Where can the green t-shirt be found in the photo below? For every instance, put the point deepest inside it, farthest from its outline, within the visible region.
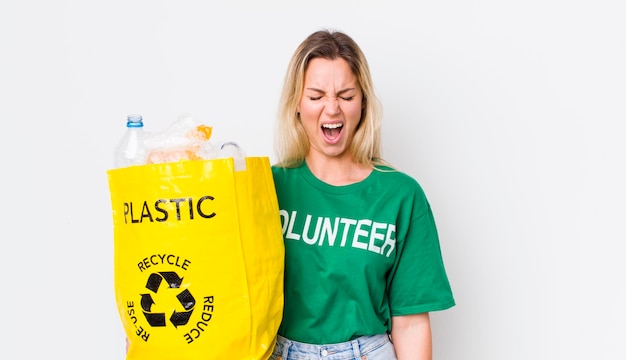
(355, 255)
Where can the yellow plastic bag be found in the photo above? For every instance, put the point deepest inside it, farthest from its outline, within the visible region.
(198, 259)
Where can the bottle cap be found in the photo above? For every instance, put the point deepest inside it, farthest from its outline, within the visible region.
(134, 120)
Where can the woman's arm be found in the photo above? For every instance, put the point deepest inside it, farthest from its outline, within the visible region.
(411, 337)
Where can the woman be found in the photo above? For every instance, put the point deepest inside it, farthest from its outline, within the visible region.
(363, 265)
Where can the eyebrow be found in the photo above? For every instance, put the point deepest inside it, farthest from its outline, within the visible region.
(342, 91)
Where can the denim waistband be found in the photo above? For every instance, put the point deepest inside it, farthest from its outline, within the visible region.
(293, 350)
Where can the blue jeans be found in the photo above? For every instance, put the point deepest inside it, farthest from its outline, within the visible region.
(376, 347)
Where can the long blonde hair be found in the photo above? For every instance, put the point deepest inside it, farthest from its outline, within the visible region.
(291, 142)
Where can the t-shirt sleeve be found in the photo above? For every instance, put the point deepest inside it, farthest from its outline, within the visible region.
(419, 282)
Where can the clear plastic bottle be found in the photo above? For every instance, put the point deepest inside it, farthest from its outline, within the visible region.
(131, 148)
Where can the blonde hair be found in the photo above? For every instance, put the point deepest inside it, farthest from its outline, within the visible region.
(292, 143)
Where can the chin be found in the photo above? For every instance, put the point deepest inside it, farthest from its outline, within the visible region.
(336, 154)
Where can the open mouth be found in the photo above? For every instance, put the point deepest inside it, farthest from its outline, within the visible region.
(332, 131)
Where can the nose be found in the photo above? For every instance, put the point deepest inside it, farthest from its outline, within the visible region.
(332, 106)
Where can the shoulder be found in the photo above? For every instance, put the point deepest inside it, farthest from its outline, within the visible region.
(279, 170)
(282, 173)
(397, 178)
(402, 186)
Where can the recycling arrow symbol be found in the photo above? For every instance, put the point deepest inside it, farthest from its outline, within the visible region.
(186, 300)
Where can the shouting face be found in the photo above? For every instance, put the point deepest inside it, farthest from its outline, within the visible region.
(331, 107)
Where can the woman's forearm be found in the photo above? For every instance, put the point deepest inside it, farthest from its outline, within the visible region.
(412, 337)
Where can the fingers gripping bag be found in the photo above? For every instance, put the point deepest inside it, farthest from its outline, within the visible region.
(198, 258)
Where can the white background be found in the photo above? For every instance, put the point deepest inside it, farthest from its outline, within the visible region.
(509, 113)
